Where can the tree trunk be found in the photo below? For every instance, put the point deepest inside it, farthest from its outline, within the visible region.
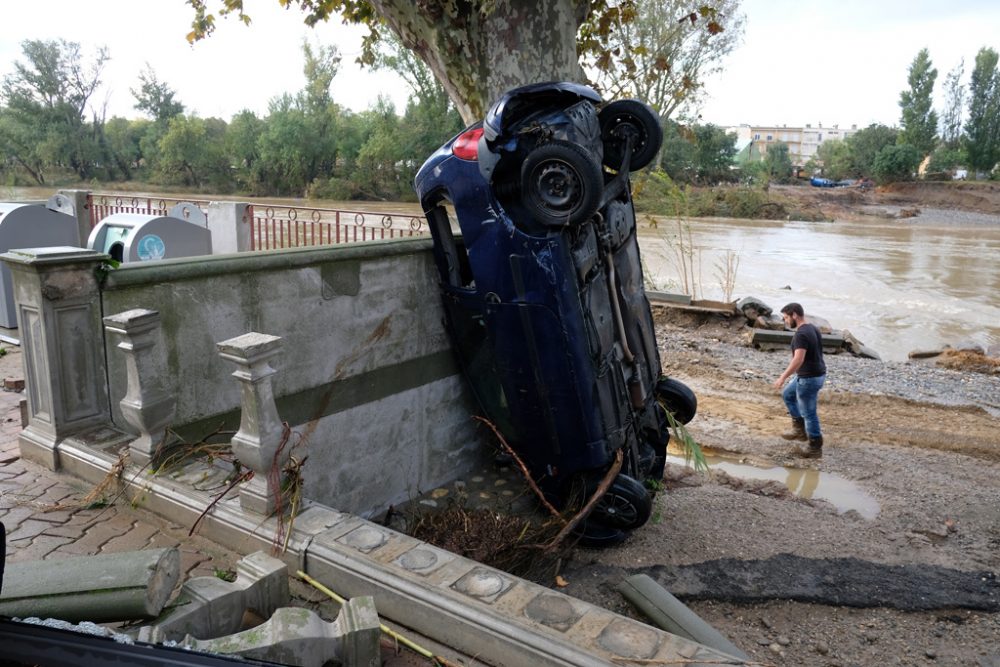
(477, 55)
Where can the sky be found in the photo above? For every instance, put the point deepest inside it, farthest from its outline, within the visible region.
(841, 63)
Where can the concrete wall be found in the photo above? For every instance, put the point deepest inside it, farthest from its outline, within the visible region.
(366, 376)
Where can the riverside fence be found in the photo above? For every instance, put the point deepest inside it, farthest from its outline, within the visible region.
(273, 227)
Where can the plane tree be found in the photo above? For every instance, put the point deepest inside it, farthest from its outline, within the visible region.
(475, 48)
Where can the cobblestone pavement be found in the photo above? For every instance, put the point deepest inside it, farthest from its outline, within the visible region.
(46, 519)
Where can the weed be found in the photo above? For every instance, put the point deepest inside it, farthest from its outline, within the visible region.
(654, 484)
(224, 574)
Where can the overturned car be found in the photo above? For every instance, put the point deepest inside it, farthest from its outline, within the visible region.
(543, 292)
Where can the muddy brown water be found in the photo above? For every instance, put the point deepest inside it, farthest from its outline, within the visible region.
(807, 483)
(896, 286)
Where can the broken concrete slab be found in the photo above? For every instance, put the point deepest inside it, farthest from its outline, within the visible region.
(103, 588)
(209, 607)
(295, 636)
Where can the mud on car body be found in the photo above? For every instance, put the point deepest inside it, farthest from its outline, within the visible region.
(543, 292)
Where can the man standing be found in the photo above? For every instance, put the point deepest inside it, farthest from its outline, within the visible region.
(809, 369)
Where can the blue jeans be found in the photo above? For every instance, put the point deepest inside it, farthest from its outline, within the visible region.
(800, 398)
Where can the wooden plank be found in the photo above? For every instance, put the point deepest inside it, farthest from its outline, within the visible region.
(770, 336)
(658, 297)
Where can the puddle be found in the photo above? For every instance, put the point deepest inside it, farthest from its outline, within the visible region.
(840, 492)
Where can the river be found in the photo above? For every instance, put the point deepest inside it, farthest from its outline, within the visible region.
(897, 286)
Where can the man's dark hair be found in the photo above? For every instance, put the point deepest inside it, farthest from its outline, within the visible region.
(793, 309)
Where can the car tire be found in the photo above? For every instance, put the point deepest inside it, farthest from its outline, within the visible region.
(561, 183)
(596, 536)
(634, 117)
(626, 506)
(678, 398)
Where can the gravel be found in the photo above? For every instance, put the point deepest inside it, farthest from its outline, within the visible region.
(920, 381)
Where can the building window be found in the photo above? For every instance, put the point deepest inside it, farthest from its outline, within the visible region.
(756, 137)
(770, 138)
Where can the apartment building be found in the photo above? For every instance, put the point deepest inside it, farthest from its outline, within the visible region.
(752, 141)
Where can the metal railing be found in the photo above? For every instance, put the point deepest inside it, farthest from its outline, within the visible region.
(297, 227)
(101, 205)
(275, 227)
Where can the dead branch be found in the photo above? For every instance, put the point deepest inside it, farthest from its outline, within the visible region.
(602, 488)
(524, 469)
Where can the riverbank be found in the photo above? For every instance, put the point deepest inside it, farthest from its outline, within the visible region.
(799, 581)
(914, 202)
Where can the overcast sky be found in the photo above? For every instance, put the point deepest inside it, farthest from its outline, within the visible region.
(841, 62)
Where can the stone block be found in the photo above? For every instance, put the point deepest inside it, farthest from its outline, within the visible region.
(295, 636)
(109, 587)
(209, 607)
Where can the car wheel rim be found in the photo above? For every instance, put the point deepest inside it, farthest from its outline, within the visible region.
(619, 508)
(558, 186)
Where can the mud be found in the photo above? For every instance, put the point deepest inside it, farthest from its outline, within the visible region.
(793, 581)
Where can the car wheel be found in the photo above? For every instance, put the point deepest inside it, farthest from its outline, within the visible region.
(678, 398)
(626, 505)
(561, 183)
(596, 536)
(624, 117)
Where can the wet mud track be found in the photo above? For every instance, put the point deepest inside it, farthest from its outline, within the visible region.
(849, 582)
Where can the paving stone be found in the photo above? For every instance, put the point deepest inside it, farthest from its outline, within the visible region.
(190, 560)
(37, 549)
(99, 534)
(136, 539)
(14, 515)
(26, 530)
(54, 516)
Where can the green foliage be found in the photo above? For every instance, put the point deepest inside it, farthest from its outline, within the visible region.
(777, 163)
(155, 98)
(951, 117)
(660, 195)
(192, 153)
(865, 144)
(837, 160)
(700, 154)
(982, 129)
(895, 163)
(692, 450)
(47, 99)
(946, 159)
(918, 119)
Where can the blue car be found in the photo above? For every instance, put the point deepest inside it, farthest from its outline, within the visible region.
(543, 292)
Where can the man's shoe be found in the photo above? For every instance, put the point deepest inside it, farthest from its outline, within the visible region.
(814, 450)
(798, 431)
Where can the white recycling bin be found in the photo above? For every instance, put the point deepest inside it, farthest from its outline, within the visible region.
(32, 226)
(136, 237)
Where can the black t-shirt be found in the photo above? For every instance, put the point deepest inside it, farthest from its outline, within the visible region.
(807, 337)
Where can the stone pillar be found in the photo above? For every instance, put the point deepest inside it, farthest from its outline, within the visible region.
(258, 444)
(81, 211)
(62, 346)
(229, 223)
(147, 406)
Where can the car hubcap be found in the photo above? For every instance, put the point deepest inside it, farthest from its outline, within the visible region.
(558, 186)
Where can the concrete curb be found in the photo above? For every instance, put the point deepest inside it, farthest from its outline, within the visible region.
(501, 619)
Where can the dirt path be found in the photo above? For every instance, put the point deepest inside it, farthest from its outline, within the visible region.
(796, 581)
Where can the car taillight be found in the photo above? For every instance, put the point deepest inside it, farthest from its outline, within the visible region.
(466, 146)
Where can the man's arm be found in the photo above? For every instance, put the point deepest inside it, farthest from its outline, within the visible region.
(798, 357)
